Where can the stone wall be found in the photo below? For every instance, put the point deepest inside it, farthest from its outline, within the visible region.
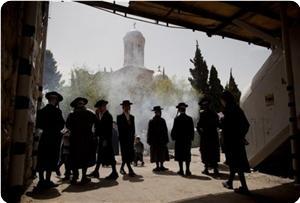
(23, 34)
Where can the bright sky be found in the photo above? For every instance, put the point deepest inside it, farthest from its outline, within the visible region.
(82, 35)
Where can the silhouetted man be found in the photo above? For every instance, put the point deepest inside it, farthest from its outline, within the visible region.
(209, 137)
(183, 134)
(104, 130)
(51, 122)
(157, 138)
(235, 127)
(82, 147)
(126, 129)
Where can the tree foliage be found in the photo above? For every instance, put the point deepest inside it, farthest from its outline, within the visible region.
(83, 84)
(161, 88)
(211, 87)
(199, 73)
(233, 88)
(215, 89)
(51, 77)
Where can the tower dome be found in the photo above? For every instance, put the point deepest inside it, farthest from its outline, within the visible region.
(134, 43)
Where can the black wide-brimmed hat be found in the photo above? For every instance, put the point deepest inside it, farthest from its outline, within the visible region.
(126, 102)
(50, 94)
(204, 101)
(101, 102)
(182, 105)
(157, 108)
(75, 101)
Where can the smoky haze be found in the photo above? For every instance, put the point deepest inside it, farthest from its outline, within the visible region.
(145, 91)
(79, 34)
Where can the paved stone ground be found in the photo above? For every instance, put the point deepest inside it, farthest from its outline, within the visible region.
(169, 187)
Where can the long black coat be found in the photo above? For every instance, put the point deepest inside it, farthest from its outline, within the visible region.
(50, 120)
(103, 129)
(235, 126)
(209, 138)
(82, 142)
(183, 134)
(157, 138)
(126, 130)
(115, 141)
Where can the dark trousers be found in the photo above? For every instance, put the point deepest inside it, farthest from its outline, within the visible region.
(241, 176)
(138, 157)
(66, 161)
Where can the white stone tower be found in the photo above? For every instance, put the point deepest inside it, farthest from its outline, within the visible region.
(134, 43)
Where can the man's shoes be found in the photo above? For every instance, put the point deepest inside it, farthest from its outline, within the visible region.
(132, 174)
(94, 174)
(44, 184)
(85, 180)
(122, 171)
(216, 172)
(112, 176)
(188, 173)
(227, 185)
(162, 168)
(73, 181)
(156, 169)
(180, 173)
(206, 172)
(51, 184)
(41, 184)
(242, 190)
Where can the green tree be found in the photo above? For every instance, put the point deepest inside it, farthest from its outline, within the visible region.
(52, 77)
(199, 73)
(83, 84)
(162, 87)
(215, 89)
(233, 88)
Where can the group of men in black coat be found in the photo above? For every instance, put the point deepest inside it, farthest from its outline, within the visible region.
(83, 143)
(234, 126)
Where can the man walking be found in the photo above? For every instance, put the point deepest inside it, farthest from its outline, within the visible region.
(103, 131)
(126, 129)
(209, 137)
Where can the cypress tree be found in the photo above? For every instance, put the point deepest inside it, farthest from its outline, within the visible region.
(215, 89)
(233, 88)
(199, 73)
(51, 77)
